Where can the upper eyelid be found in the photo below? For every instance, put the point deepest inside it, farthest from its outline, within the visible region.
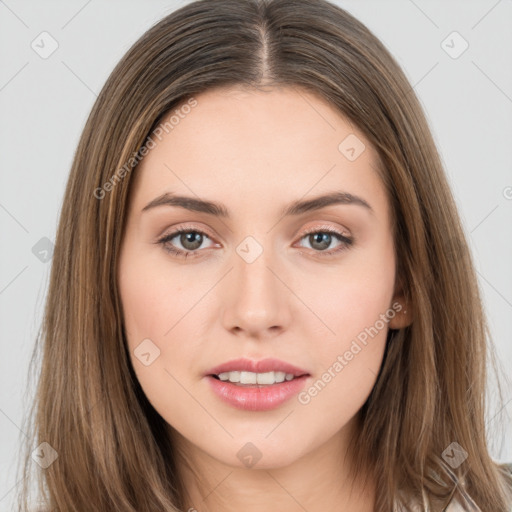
(312, 229)
(338, 232)
(176, 231)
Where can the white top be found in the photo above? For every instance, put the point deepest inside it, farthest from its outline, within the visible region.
(454, 506)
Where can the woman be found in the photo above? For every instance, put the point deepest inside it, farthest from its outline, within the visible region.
(261, 294)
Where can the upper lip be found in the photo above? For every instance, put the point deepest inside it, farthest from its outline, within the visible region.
(262, 366)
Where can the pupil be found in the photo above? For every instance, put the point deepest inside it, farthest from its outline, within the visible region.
(323, 237)
(188, 238)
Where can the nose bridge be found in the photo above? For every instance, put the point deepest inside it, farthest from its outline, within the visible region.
(257, 299)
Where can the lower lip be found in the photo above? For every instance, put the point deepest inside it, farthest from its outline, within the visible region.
(254, 398)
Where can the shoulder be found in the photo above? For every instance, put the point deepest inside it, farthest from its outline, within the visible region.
(415, 506)
(455, 505)
(507, 468)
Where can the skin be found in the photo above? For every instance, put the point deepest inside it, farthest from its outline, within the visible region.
(256, 152)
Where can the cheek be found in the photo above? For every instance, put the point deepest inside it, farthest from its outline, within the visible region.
(154, 306)
(352, 297)
(161, 336)
(348, 362)
(355, 308)
(154, 300)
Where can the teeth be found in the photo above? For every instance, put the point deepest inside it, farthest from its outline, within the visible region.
(255, 378)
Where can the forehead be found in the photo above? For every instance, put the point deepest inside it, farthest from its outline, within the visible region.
(244, 145)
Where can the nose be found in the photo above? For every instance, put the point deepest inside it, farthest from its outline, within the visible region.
(256, 300)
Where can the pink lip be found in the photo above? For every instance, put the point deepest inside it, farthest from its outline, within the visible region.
(257, 397)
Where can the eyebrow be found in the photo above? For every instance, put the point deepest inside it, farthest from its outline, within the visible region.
(295, 208)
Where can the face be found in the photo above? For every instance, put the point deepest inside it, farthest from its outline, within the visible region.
(309, 286)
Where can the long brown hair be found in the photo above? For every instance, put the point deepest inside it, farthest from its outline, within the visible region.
(112, 446)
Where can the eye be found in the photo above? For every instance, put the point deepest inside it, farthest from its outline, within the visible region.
(321, 238)
(190, 240)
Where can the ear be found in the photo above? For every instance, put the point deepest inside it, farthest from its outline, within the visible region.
(403, 309)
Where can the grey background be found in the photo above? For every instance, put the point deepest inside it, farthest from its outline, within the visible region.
(44, 103)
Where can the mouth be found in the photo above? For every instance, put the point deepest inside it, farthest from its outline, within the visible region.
(256, 385)
(252, 379)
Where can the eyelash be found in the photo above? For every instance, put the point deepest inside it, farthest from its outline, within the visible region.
(346, 241)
